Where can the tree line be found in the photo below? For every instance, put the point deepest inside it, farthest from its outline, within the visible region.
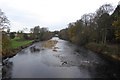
(40, 34)
(36, 33)
(99, 27)
(103, 26)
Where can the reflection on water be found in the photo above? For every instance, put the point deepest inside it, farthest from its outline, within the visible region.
(68, 61)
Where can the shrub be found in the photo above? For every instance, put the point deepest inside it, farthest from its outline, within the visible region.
(6, 44)
(12, 35)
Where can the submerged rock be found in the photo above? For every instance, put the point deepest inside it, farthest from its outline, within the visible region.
(77, 50)
(54, 50)
(64, 63)
(34, 49)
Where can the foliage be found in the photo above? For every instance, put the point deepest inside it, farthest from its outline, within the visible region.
(4, 22)
(12, 35)
(116, 24)
(104, 22)
(25, 36)
(47, 35)
(6, 44)
(111, 50)
(103, 27)
(96, 28)
(40, 34)
(20, 34)
(92, 27)
(63, 34)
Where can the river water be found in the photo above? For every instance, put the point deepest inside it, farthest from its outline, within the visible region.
(67, 61)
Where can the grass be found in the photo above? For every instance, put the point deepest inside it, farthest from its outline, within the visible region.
(110, 50)
(17, 42)
(95, 47)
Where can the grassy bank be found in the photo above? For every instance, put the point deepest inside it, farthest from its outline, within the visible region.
(112, 51)
(17, 45)
(17, 42)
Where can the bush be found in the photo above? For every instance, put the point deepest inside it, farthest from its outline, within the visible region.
(12, 35)
(25, 36)
(6, 44)
(46, 36)
(98, 48)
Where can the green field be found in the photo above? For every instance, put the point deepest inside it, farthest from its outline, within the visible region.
(17, 42)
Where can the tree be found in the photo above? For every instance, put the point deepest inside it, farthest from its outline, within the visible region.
(20, 34)
(92, 27)
(71, 31)
(36, 31)
(103, 22)
(47, 35)
(116, 24)
(106, 8)
(78, 33)
(63, 34)
(42, 33)
(103, 26)
(6, 44)
(4, 22)
(25, 36)
(12, 35)
(8, 30)
(87, 19)
(31, 30)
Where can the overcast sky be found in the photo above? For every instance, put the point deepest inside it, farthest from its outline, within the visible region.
(54, 14)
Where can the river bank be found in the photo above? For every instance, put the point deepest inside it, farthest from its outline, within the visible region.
(17, 48)
(12, 52)
(109, 52)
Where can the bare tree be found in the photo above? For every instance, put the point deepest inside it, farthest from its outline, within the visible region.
(102, 22)
(4, 22)
(85, 19)
(88, 19)
(106, 8)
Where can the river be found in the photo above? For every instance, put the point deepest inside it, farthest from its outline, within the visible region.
(67, 61)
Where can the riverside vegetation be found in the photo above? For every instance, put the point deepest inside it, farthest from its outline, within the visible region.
(12, 44)
(99, 32)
